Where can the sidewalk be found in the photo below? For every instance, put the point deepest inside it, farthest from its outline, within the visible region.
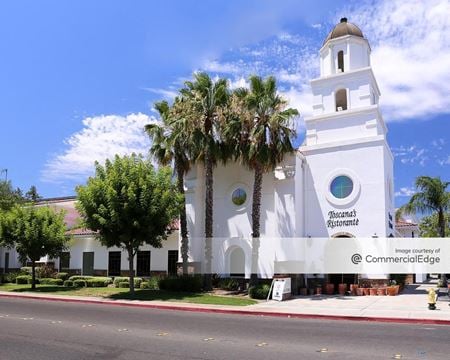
(409, 307)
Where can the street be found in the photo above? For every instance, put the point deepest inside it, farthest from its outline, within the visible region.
(34, 329)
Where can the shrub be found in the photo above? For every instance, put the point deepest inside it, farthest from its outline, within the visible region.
(51, 281)
(151, 284)
(62, 275)
(96, 282)
(259, 291)
(181, 283)
(22, 279)
(45, 271)
(80, 277)
(79, 283)
(229, 284)
(11, 277)
(26, 270)
(124, 284)
(30, 281)
(68, 283)
(119, 279)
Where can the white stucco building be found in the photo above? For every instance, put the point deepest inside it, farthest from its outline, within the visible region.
(339, 183)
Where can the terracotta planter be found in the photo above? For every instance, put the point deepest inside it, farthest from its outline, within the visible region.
(303, 291)
(359, 291)
(353, 288)
(329, 289)
(366, 291)
(318, 291)
(381, 291)
(342, 289)
(372, 291)
(397, 289)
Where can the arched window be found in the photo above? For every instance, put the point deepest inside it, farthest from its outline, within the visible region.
(341, 100)
(340, 58)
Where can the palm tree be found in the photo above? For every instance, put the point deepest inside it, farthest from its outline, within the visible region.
(170, 145)
(206, 100)
(431, 197)
(262, 135)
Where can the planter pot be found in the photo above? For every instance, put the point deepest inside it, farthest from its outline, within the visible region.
(381, 291)
(359, 291)
(373, 291)
(353, 288)
(318, 291)
(397, 289)
(329, 289)
(391, 291)
(366, 291)
(303, 291)
(342, 289)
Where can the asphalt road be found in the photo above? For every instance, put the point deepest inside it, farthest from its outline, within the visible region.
(35, 329)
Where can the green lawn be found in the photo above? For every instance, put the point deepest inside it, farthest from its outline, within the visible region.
(149, 295)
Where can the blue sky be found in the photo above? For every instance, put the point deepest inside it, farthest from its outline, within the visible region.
(78, 79)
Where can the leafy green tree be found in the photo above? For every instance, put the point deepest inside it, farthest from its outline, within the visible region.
(32, 194)
(202, 103)
(429, 225)
(431, 197)
(8, 196)
(129, 204)
(261, 135)
(171, 145)
(34, 231)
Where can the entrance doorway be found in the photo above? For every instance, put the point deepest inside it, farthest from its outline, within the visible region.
(337, 279)
(88, 263)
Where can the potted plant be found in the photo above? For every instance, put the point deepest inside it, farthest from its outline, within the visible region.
(329, 288)
(366, 290)
(342, 288)
(318, 290)
(381, 291)
(373, 291)
(353, 289)
(359, 291)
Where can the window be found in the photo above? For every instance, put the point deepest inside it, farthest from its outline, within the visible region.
(340, 58)
(239, 197)
(341, 100)
(172, 260)
(341, 187)
(143, 263)
(114, 263)
(64, 261)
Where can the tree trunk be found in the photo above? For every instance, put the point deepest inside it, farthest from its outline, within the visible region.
(183, 221)
(256, 220)
(208, 218)
(33, 274)
(441, 226)
(131, 270)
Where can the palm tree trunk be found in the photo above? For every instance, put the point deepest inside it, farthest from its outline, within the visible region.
(183, 220)
(441, 226)
(131, 269)
(256, 221)
(208, 218)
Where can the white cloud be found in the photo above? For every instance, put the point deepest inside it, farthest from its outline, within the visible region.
(411, 155)
(444, 161)
(168, 94)
(405, 192)
(101, 138)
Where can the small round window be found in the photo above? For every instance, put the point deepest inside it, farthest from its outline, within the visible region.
(341, 187)
(238, 197)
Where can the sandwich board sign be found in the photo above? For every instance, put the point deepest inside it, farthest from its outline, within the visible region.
(281, 289)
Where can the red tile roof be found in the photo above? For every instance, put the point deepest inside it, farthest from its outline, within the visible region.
(403, 223)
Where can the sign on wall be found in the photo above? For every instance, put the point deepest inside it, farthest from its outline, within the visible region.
(342, 218)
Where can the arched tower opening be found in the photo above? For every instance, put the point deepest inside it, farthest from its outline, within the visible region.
(341, 100)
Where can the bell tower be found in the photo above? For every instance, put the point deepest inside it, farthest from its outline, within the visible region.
(348, 160)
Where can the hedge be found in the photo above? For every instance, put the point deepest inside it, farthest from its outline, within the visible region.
(96, 282)
(22, 279)
(80, 277)
(119, 279)
(229, 284)
(123, 284)
(62, 275)
(151, 284)
(51, 281)
(68, 283)
(79, 283)
(181, 283)
(260, 291)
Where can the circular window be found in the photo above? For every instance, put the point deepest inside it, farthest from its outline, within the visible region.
(238, 196)
(341, 187)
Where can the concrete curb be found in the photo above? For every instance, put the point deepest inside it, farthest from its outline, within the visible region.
(238, 312)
